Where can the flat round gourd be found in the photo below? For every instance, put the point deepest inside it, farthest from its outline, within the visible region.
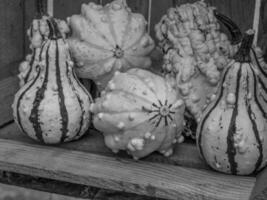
(232, 133)
(139, 112)
(53, 107)
(108, 38)
(195, 51)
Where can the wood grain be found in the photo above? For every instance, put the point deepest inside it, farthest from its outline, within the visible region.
(159, 8)
(8, 87)
(30, 12)
(11, 192)
(260, 189)
(67, 8)
(11, 35)
(184, 154)
(152, 179)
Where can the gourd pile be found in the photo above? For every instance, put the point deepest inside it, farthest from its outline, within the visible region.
(219, 82)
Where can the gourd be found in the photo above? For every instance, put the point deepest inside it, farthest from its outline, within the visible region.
(53, 107)
(108, 39)
(195, 51)
(37, 34)
(231, 135)
(139, 112)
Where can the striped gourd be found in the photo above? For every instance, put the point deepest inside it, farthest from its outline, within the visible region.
(232, 133)
(108, 38)
(37, 34)
(139, 112)
(53, 107)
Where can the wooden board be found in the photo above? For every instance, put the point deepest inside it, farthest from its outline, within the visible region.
(8, 88)
(184, 154)
(67, 8)
(11, 192)
(30, 12)
(260, 189)
(152, 179)
(11, 35)
(159, 8)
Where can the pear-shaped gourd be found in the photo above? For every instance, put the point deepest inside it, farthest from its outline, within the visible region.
(139, 112)
(108, 38)
(37, 34)
(232, 133)
(53, 107)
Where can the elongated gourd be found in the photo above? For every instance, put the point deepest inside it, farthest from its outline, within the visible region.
(139, 112)
(53, 107)
(232, 133)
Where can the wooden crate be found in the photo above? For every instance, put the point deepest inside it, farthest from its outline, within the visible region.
(87, 161)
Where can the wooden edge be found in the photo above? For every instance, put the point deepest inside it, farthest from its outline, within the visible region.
(48, 185)
(8, 87)
(145, 178)
(11, 191)
(185, 154)
(260, 189)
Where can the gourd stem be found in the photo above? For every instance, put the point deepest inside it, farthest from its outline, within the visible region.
(231, 26)
(243, 53)
(54, 32)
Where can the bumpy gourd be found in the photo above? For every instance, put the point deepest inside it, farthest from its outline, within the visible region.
(37, 34)
(53, 107)
(139, 112)
(108, 39)
(195, 51)
(232, 133)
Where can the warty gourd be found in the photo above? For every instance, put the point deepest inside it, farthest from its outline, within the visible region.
(232, 133)
(195, 51)
(108, 38)
(37, 34)
(53, 107)
(139, 112)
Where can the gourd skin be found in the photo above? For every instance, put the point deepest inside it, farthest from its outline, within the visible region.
(139, 112)
(37, 34)
(231, 135)
(195, 52)
(53, 107)
(108, 39)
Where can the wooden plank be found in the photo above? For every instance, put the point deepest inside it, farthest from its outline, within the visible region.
(263, 27)
(8, 87)
(11, 35)
(159, 8)
(11, 192)
(67, 8)
(184, 154)
(260, 189)
(145, 178)
(48, 185)
(30, 12)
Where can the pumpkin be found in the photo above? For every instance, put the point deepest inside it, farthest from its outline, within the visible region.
(231, 135)
(37, 34)
(195, 51)
(108, 39)
(53, 107)
(139, 112)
